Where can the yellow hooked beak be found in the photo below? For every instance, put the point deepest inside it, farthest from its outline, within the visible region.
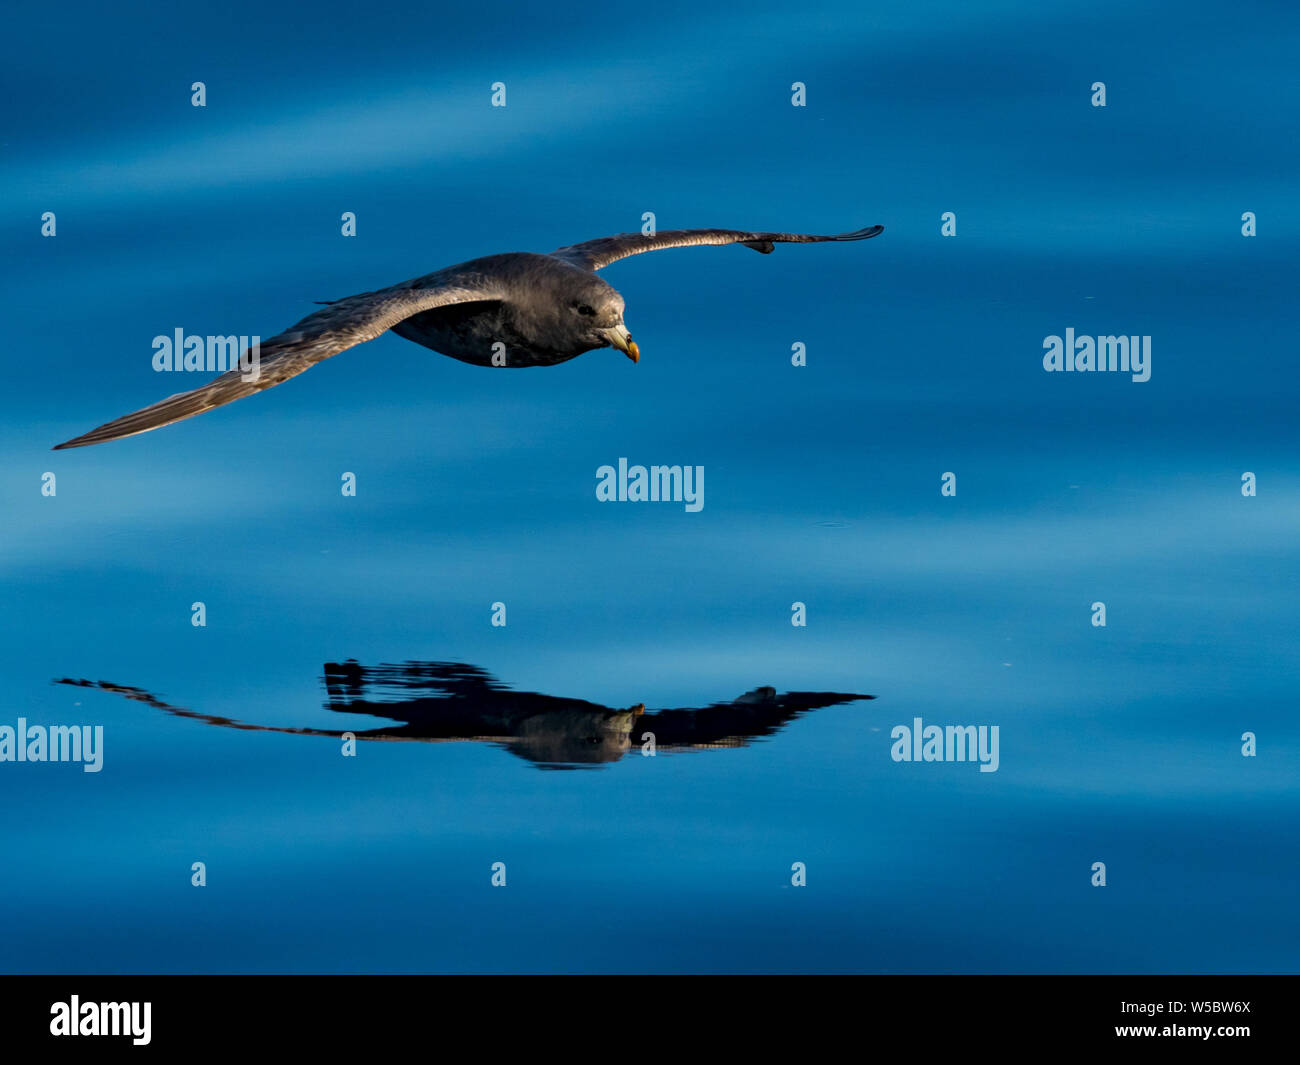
(620, 338)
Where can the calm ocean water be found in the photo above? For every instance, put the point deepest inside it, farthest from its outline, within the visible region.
(1120, 744)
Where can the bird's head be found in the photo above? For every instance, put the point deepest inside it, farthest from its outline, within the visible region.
(595, 313)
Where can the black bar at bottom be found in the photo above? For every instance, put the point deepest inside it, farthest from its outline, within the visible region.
(336, 1014)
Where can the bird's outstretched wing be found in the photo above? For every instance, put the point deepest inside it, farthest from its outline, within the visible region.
(598, 253)
(337, 327)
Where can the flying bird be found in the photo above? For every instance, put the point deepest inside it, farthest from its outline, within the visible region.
(516, 309)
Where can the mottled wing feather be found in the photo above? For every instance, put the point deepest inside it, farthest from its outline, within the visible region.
(337, 327)
(595, 254)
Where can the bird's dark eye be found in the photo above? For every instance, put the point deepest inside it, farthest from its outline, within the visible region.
(588, 310)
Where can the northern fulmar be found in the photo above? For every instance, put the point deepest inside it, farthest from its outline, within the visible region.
(516, 309)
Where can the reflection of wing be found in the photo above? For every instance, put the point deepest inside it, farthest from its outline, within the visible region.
(139, 695)
(754, 715)
(337, 327)
(598, 253)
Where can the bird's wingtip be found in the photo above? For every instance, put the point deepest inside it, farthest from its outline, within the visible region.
(84, 440)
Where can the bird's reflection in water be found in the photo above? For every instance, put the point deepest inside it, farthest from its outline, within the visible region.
(440, 702)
